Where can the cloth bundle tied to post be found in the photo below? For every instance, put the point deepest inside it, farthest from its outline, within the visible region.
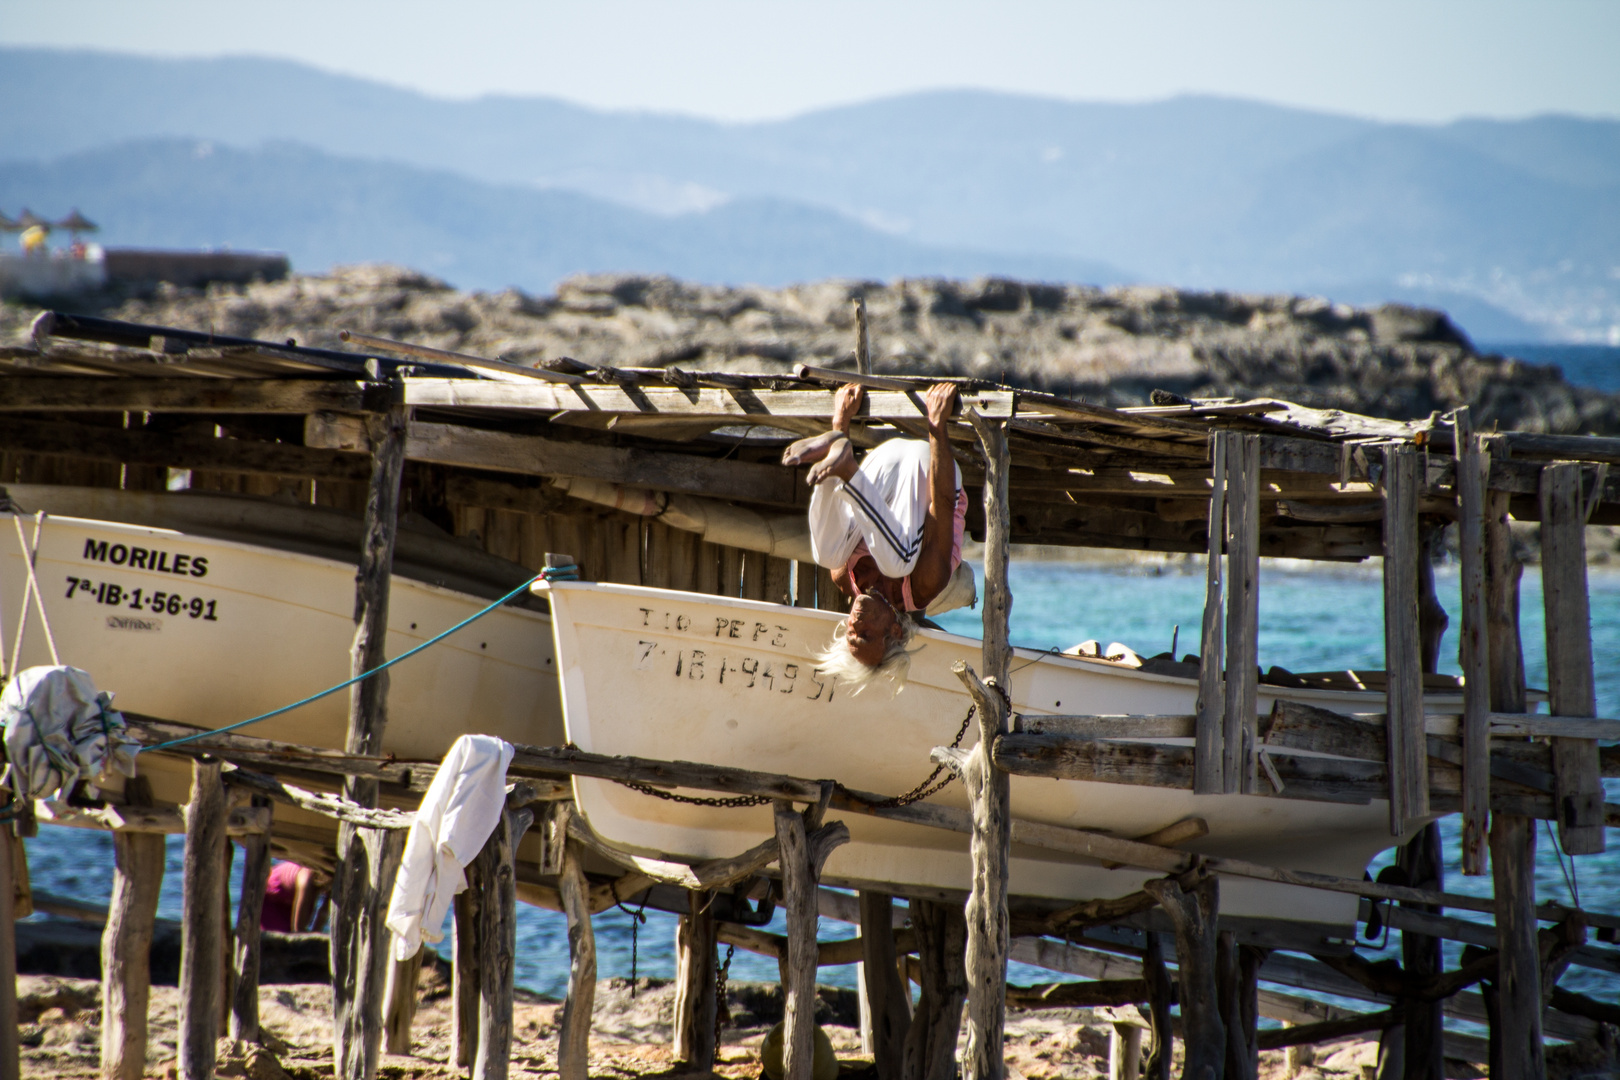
(59, 730)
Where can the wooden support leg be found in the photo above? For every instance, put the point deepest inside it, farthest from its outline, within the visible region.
(1241, 720)
(1408, 760)
(1209, 758)
(496, 878)
(573, 1051)
(941, 953)
(126, 943)
(1237, 970)
(1193, 913)
(1159, 995)
(399, 1004)
(360, 945)
(244, 1023)
(464, 978)
(803, 851)
(1474, 650)
(887, 997)
(1518, 985)
(695, 1002)
(201, 928)
(10, 1047)
(1425, 1057)
(1124, 1051)
(227, 940)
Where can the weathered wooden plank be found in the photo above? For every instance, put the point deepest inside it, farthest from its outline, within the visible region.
(887, 997)
(201, 925)
(799, 967)
(1209, 768)
(1123, 726)
(549, 761)
(494, 876)
(466, 920)
(1424, 1036)
(126, 941)
(696, 1004)
(157, 820)
(1556, 727)
(930, 1051)
(574, 1031)
(1516, 1037)
(55, 393)
(1403, 658)
(1474, 647)
(1577, 777)
(1240, 765)
(725, 403)
(244, 1022)
(1193, 913)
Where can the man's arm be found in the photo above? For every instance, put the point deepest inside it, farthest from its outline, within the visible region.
(933, 571)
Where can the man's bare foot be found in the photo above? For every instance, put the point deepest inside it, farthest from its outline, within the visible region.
(838, 460)
(810, 449)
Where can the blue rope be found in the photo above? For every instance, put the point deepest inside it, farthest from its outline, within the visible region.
(349, 682)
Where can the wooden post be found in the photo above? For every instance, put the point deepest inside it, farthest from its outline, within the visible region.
(495, 876)
(466, 918)
(863, 348)
(799, 988)
(244, 1022)
(1432, 618)
(1577, 775)
(574, 1033)
(1124, 1051)
(1159, 995)
(941, 929)
(695, 1003)
(804, 584)
(988, 788)
(1408, 759)
(367, 861)
(399, 1002)
(201, 928)
(1209, 758)
(126, 943)
(1474, 647)
(1516, 1051)
(10, 1045)
(1241, 711)
(1193, 913)
(887, 997)
(1237, 972)
(1425, 1057)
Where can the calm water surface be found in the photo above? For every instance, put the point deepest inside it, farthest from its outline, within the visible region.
(1310, 619)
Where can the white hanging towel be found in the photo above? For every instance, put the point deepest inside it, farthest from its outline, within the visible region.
(459, 812)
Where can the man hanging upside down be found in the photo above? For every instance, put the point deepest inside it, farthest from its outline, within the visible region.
(890, 531)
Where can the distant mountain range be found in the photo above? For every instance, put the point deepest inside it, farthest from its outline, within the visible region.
(1514, 226)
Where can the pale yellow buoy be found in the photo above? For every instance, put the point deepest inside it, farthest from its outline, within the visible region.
(824, 1065)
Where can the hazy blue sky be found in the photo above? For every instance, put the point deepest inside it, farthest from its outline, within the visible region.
(753, 59)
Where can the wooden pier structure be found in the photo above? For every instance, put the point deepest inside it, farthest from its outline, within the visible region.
(614, 466)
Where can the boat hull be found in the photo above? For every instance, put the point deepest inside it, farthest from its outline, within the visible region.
(207, 631)
(673, 675)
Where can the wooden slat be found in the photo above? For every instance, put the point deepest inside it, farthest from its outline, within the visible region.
(1403, 654)
(1577, 778)
(1474, 647)
(1210, 760)
(1578, 728)
(78, 394)
(1240, 765)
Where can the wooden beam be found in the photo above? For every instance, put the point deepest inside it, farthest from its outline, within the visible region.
(1159, 1000)
(574, 1029)
(1329, 1030)
(1209, 758)
(1240, 764)
(1474, 647)
(126, 941)
(399, 1002)
(1577, 777)
(889, 1000)
(66, 393)
(696, 1003)
(930, 1052)
(1403, 658)
(201, 925)
(494, 876)
(244, 1021)
(564, 761)
(1516, 1037)
(1193, 913)
(803, 844)
(465, 980)
(736, 403)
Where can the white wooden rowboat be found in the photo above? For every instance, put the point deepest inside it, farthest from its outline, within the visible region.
(207, 631)
(675, 675)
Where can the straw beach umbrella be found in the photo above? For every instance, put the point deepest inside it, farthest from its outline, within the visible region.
(76, 223)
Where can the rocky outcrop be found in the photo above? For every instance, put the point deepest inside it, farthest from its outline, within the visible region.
(1110, 346)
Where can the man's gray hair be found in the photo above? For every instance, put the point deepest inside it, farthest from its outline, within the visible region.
(836, 660)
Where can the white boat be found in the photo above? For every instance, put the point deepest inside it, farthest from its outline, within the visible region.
(207, 610)
(675, 675)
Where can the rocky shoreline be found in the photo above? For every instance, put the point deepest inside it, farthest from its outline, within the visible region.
(1111, 346)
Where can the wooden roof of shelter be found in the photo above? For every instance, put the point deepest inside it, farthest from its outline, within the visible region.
(1082, 475)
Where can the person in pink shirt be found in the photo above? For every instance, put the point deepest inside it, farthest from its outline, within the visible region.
(890, 530)
(289, 899)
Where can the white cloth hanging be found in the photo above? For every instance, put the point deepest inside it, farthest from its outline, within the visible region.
(60, 729)
(458, 813)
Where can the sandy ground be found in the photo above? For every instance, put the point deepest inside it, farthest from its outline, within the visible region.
(61, 1037)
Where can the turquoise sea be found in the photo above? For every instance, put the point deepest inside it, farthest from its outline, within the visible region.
(1311, 618)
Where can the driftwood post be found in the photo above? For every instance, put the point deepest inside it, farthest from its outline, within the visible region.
(244, 1022)
(887, 996)
(695, 1003)
(1237, 969)
(496, 877)
(1577, 775)
(930, 1051)
(10, 1047)
(1474, 646)
(804, 847)
(399, 1002)
(126, 943)
(1159, 1000)
(988, 788)
(1193, 913)
(1425, 1057)
(1408, 757)
(863, 347)
(574, 1033)
(1209, 759)
(367, 858)
(1516, 1050)
(201, 926)
(1241, 715)
(466, 918)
